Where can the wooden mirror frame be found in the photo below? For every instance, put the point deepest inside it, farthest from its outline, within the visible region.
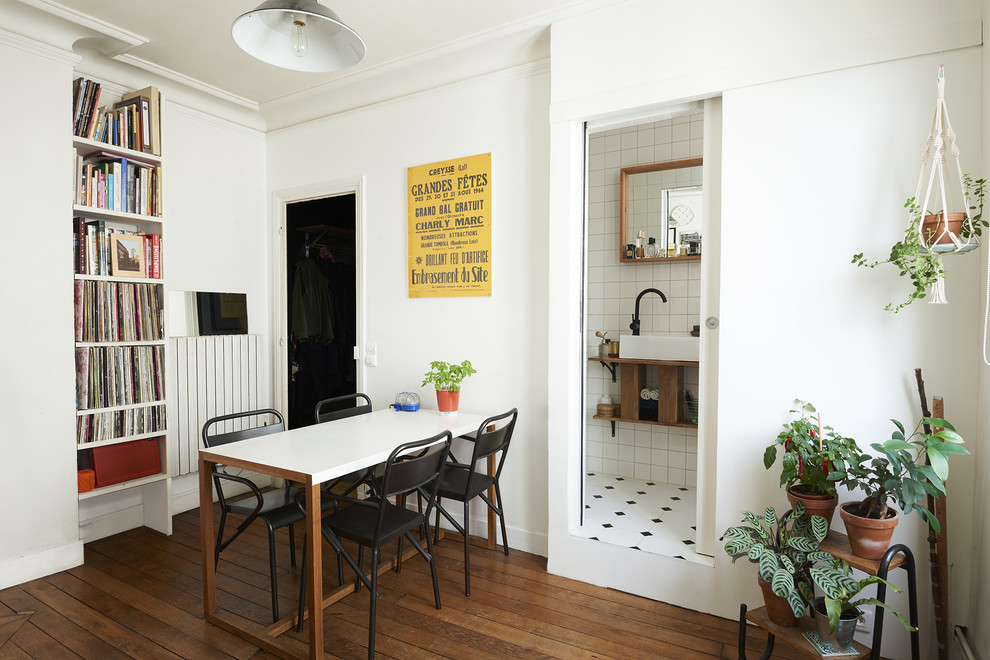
(624, 175)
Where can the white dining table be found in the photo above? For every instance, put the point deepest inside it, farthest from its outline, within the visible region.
(311, 456)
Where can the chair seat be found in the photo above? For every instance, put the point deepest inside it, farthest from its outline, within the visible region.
(357, 523)
(456, 480)
(280, 506)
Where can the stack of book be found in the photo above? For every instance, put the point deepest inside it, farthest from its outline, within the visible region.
(109, 376)
(117, 311)
(106, 180)
(102, 247)
(120, 423)
(134, 122)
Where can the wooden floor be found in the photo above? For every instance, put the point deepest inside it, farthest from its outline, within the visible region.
(139, 595)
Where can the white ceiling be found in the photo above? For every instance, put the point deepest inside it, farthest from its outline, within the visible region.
(191, 38)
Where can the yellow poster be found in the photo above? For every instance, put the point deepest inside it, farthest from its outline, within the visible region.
(450, 228)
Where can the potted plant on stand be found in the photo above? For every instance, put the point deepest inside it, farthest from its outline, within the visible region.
(836, 613)
(784, 548)
(898, 474)
(811, 453)
(446, 377)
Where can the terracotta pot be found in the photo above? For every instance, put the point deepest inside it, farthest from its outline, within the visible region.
(869, 537)
(816, 505)
(933, 227)
(778, 609)
(447, 402)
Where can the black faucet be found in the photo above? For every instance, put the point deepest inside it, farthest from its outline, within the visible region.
(634, 326)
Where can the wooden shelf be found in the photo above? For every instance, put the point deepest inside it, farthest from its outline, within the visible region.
(690, 257)
(838, 545)
(661, 363)
(793, 636)
(685, 425)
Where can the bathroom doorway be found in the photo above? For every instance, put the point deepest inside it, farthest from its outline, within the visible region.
(641, 473)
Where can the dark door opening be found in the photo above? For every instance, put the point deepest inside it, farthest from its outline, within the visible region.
(321, 303)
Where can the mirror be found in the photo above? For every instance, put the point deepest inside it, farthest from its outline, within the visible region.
(200, 313)
(662, 202)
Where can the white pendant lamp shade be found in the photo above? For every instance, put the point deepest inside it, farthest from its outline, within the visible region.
(298, 34)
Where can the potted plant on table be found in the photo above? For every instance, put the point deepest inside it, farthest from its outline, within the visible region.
(836, 613)
(446, 378)
(811, 453)
(898, 474)
(784, 547)
(914, 255)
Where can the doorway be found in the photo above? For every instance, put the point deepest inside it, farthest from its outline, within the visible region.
(320, 303)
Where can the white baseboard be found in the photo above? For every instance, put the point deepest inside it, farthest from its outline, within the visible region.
(519, 538)
(40, 564)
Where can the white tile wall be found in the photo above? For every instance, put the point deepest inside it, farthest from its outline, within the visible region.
(645, 451)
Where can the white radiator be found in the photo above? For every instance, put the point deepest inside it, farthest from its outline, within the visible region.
(207, 377)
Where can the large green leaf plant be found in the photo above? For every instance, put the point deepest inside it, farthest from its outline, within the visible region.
(839, 588)
(784, 548)
(899, 473)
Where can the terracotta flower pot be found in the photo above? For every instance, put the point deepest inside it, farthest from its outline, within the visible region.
(933, 227)
(816, 505)
(447, 402)
(869, 537)
(778, 609)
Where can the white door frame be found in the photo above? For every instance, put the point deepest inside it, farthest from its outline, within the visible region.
(277, 299)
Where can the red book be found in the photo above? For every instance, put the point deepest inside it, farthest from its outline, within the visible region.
(156, 256)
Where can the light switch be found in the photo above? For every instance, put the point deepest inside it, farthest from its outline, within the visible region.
(371, 354)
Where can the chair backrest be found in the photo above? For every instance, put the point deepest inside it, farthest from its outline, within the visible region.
(489, 442)
(226, 437)
(408, 469)
(339, 407)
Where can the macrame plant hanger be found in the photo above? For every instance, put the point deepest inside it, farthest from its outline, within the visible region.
(941, 143)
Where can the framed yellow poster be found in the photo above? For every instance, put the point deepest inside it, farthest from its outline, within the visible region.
(450, 228)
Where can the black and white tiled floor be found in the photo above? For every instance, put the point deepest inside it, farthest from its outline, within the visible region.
(637, 513)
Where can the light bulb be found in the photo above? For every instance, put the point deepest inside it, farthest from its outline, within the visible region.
(298, 41)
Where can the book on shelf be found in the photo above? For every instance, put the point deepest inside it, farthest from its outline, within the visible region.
(153, 97)
(97, 249)
(86, 97)
(134, 122)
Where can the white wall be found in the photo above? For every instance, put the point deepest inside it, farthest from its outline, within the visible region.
(37, 374)
(502, 335)
(215, 240)
(830, 157)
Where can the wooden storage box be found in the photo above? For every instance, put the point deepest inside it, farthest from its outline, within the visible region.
(125, 461)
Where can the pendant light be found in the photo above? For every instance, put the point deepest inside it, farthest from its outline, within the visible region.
(298, 34)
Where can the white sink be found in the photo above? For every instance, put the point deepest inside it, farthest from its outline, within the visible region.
(658, 347)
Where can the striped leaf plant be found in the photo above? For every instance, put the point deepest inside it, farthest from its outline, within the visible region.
(784, 547)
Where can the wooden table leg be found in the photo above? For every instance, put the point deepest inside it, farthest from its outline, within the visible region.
(206, 537)
(314, 555)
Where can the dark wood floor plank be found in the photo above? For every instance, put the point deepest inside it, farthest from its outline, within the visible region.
(139, 594)
(181, 632)
(91, 616)
(61, 636)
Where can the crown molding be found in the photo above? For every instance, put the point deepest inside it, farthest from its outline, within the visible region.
(34, 47)
(117, 40)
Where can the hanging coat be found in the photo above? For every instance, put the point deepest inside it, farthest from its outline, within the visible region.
(312, 303)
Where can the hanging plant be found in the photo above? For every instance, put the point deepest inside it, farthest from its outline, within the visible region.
(918, 255)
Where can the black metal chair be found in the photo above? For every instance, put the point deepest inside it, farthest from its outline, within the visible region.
(276, 508)
(375, 522)
(342, 407)
(465, 481)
